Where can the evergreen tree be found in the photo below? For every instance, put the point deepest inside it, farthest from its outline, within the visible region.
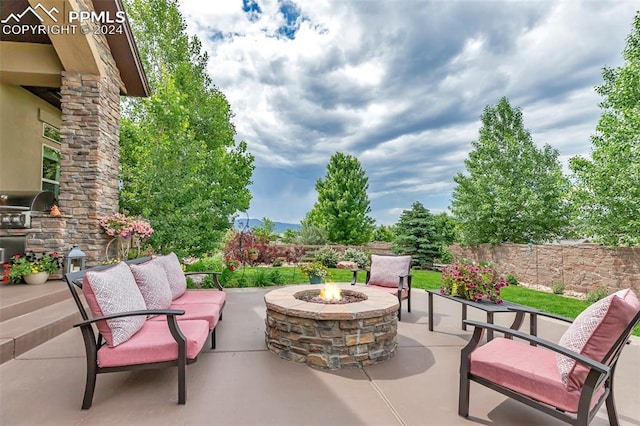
(417, 235)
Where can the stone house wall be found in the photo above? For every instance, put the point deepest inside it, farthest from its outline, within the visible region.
(90, 152)
(581, 267)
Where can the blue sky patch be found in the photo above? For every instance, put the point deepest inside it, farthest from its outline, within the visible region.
(252, 9)
(291, 13)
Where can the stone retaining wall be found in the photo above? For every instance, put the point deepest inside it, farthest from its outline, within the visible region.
(580, 267)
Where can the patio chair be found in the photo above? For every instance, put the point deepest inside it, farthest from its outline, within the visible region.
(570, 380)
(390, 274)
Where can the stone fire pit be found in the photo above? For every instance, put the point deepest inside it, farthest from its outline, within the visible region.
(332, 335)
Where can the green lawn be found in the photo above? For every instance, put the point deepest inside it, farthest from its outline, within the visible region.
(548, 302)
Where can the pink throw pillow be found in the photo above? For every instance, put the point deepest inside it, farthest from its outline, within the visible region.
(113, 291)
(153, 284)
(175, 275)
(593, 333)
(386, 270)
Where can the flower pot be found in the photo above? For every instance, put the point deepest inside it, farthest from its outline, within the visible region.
(38, 278)
(253, 256)
(314, 279)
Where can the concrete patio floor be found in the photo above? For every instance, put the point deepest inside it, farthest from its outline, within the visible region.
(242, 383)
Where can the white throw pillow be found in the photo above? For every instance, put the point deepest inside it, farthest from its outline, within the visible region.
(175, 275)
(153, 284)
(113, 291)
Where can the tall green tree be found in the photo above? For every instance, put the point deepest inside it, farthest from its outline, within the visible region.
(343, 204)
(181, 166)
(417, 235)
(512, 190)
(607, 188)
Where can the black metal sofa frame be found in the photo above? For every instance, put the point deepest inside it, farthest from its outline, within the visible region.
(93, 340)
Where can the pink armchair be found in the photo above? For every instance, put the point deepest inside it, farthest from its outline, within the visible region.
(570, 380)
(390, 274)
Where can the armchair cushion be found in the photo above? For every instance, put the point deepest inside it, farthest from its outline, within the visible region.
(154, 343)
(177, 280)
(386, 270)
(152, 281)
(394, 291)
(113, 291)
(594, 332)
(526, 369)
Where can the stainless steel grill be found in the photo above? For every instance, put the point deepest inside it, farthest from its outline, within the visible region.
(16, 207)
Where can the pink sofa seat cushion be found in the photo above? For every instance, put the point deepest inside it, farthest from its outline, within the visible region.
(201, 296)
(394, 291)
(198, 311)
(526, 369)
(594, 332)
(386, 270)
(154, 343)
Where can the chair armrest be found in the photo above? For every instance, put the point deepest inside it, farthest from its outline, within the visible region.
(598, 366)
(168, 312)
(529, 310)
(402, 278)
(214, 275)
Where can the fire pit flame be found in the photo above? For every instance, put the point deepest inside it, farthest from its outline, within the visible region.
(330, 291)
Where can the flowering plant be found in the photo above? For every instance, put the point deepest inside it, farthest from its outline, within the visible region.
(231, 264)
(252, 250)
(128, 231)
(121, 225)
(472, 282)
(315, 268)
(30, 263)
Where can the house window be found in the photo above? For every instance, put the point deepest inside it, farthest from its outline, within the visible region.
(51, 160)
(50, 132)
(50, 169)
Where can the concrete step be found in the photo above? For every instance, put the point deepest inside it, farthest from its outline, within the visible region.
(24, 332)
(20, 299)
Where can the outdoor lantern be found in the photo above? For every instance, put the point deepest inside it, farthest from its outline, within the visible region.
(530, 247)
(74, 261)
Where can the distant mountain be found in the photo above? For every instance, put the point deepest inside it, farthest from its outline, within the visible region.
(280, 227)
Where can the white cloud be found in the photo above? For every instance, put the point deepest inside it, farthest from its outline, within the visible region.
(401, 85)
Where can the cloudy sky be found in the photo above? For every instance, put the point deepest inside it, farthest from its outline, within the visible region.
(400, 85)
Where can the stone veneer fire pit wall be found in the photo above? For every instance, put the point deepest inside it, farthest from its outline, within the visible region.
(332, 336)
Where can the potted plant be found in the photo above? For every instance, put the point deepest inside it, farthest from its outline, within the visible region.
(32, 268)
(128, 232)
(252, 253)
(316, 272)
(472, 282)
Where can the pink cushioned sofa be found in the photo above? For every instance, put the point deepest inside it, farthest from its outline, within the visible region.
(145, 318)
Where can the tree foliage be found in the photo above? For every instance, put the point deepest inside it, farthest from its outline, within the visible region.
(384, 233)
(266, 230)
(343, 204)
(417, 235)
(311, 234)
(607, 188)
(180, 164)
(513, 191)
